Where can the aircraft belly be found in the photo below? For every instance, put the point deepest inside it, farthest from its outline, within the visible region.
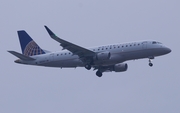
(64, 63)
(72, 63)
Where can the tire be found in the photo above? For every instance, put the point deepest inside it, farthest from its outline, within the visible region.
(99, 74)
(88, 67)
(150, 64)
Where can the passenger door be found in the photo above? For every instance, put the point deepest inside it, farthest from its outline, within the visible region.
(51, 57)
(144, 45)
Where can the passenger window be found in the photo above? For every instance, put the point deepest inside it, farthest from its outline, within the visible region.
(153, 42)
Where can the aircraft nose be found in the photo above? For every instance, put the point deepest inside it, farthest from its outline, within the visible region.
(168, 50)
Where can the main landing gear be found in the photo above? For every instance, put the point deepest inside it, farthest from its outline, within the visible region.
(88, 66)
(99, 73)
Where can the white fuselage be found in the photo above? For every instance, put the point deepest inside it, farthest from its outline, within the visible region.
(119, 53)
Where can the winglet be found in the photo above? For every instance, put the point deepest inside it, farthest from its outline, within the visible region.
(49, 31)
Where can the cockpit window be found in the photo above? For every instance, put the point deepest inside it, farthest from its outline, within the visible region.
(154, 42)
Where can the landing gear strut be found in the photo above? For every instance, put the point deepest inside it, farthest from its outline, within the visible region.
(99, 73)
(150, 63)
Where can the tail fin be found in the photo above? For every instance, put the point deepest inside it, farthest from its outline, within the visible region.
(28, 45)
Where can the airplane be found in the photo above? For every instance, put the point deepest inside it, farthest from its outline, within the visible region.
(106, 58)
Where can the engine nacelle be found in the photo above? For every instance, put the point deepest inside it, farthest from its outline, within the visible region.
(120, 67)
(103, 56)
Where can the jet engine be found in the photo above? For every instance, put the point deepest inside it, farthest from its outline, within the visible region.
(120, 67)
(103, 56)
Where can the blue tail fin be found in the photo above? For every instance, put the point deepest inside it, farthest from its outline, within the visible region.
(28, 45)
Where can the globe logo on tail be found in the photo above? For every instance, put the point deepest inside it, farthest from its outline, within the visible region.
(32, 49)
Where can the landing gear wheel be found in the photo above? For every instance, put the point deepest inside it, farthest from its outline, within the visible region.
(99, 74)
(88, 67)
(150, 64)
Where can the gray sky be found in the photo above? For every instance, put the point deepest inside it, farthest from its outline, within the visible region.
(31, 89)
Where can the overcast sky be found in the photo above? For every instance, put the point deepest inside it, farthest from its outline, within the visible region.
(141, 89)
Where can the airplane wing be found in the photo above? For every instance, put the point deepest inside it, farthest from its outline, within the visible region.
(75, 49)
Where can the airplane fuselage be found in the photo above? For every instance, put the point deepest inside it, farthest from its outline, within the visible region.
(102, 58)
(118, 54)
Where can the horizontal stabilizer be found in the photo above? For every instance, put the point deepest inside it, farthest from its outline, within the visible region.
(21, 56)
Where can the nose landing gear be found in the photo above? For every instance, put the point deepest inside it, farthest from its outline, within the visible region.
(150, 63)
